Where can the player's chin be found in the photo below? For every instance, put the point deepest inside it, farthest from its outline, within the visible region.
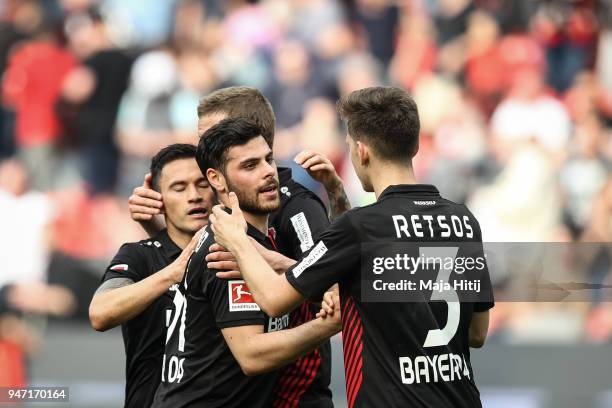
(195, 225)
(269, 205)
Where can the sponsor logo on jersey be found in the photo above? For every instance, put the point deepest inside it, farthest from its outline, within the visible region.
(302, 229)
(317, 252)
(434, 368)
(119, 267)
(240, 297)
(424, 202)
(278, 323)
(285, 190)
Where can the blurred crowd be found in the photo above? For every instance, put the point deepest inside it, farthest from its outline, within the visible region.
(515, 98)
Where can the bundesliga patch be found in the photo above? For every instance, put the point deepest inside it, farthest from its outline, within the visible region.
(119, 267)
(240, 297)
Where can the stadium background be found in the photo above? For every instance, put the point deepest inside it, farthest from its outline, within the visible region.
(516, 104)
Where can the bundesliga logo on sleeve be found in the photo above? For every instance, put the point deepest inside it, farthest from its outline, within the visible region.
(240, 297)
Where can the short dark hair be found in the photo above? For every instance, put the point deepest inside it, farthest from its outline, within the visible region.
(216, 141)
(166, 155)
(386, 118)
(241, 102)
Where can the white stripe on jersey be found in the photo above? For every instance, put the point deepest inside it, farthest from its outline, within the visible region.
(317, 252)
(302, 229)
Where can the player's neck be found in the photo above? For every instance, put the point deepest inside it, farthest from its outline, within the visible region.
(389, 174)
(258, 221)
(180, 238)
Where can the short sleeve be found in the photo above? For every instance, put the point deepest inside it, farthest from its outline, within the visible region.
(127, 263)
(487, 302)
(233, 304)
(301, 223)
(334, 257)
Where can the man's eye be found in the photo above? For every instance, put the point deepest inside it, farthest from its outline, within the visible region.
(270, 160)
(178, 189)
(249, 166)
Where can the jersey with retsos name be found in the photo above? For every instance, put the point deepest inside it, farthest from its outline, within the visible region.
(298, 222)
(405, 341)
(199, 369)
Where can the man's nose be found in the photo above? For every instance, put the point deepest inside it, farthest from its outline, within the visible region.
(194, 195)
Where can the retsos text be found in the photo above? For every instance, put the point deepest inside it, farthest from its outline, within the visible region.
(432, 226)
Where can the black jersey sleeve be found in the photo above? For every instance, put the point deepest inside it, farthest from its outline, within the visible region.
(301, 223)
(127, 263)
(233, 304)
(485, 278)
(334, 257)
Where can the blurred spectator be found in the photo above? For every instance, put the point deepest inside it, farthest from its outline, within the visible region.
(28, 216)
(31, 86)
(141, 23)
(293, 83)
(356, 71)
(146, 122)
(485, 68)
(529, 112)
(377, 22)
(188, 24)
(416, 52)
(582, 98)
(250, 25)
(584, 174)
(86, 231)
(310, 18)
(451, 21)
(95, 88)
(568, 32)
(523, 204)
(24, 251)
(511, 15)
(12, 30)
(603, 72)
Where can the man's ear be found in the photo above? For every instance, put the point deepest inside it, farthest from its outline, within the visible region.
(216, 180)
(364, 154)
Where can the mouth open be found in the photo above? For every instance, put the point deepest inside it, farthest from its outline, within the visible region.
(198, 212)
(270, 189)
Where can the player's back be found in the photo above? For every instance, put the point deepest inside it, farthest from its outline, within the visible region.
(405, 339)
(415, 332)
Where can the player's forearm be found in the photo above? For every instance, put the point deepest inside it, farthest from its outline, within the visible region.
(270, 351)
(338, 201)
(479, 326)
(264, 283)
(114, 307)
(280, 263)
